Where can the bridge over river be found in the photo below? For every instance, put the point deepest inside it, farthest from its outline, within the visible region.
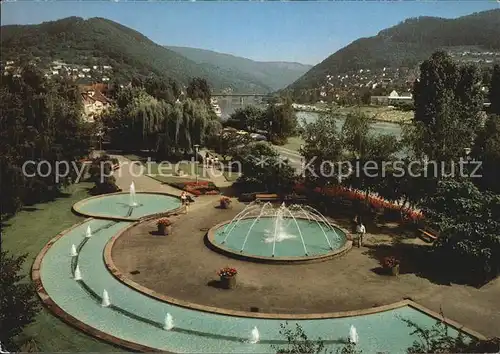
(229, 102)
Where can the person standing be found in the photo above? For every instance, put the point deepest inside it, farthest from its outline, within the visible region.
(183, 198)
(360, 230)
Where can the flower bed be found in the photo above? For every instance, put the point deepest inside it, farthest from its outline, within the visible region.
(375, 202)
(197, 188)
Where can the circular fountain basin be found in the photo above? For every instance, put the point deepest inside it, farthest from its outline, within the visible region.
(118, 205)
(258, 239)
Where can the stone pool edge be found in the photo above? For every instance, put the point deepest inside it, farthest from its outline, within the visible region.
(210, 239)
(56, 310)
(77, 205)
(52, 306)
(108, 260)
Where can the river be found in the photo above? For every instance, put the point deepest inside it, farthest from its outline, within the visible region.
(378, 128)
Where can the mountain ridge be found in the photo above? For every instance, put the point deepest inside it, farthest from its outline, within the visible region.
(273, 74)
(406, 45)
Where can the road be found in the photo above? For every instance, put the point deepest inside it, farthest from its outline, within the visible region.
(294, 158)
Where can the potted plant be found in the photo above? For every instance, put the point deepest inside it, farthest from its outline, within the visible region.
(225, 202)
(391, 264)
(228, 277)
(164, 226)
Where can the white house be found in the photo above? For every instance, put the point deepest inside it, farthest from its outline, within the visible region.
(86, 70)
(94, 103)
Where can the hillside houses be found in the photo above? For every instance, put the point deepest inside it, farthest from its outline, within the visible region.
(95, 73)
(94, 101)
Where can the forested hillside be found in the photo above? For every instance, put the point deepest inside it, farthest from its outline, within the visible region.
(407, 44)
(98, 41)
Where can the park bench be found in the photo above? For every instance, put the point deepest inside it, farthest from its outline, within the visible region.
(426, 236)
(267, 197)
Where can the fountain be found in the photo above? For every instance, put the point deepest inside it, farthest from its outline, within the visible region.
(254, 336)
(88, 233)
(133, 201)
(169, 322)
(78, 274)
(105, 299)
(73, 253)
(353, 335)
(265, 231)
(3, 350)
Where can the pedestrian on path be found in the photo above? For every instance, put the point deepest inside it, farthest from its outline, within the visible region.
(183, 198)
(360, 230)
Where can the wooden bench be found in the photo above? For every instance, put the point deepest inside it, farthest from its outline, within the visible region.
(266, 197)
(426, 236)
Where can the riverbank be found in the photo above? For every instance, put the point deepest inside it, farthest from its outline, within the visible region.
(375, 114)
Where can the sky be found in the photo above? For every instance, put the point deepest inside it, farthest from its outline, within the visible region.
(305, 32)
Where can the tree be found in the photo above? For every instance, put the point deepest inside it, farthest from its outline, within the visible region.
(18, 303)
(262, 167)
(468, 221)
(494, 94)
(281, 122)
(448, 100)
(199, 89)
(249, 118)
(322, 148)
(41, 121)
(486, 149)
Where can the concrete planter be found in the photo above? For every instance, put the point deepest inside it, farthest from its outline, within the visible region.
(395, 270)
(164, 230)
(228, 282)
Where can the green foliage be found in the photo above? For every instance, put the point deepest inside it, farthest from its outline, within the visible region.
(142, 121)
(249, 118)
(468, 221)
(280, 121)
(298, 342)
(323, 143)
(487, 150)
(198, 89)
(494, 92)
(447, 103)
(41, 120)
(407, 44)
(437, 339)
(100, 174)
(18, 302)
(262, 168)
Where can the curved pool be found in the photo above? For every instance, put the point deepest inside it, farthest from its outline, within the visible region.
(117, 205)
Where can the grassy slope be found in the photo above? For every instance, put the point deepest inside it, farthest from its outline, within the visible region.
(28, 232)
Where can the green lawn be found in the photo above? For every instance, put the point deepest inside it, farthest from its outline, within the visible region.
(28, 232)
(293, 143)
(231, 176)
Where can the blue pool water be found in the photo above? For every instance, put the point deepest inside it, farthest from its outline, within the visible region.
(118, 205)
(138, 318)
(317, 238)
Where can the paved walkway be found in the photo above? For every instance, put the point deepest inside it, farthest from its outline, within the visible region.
(129, 173)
